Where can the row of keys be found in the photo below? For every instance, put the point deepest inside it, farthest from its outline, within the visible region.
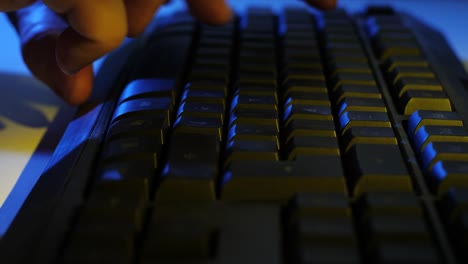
(413, 83)
(114, 209)
(371, 154)
(440, 140)
(384, 227)
(194, 152)
(387, 227)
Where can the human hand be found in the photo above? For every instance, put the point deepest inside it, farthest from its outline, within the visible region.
(61, 38)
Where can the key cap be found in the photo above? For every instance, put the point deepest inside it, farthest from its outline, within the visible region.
(364, 119)
(277, 181)
(446, 174)
(191, 169)
(430, 133)
(424, 117)
(93, 248)
(405, 252)
(311, 112)
(326, 230)
(151, 87)
(253, 132)
(435, 151)
(154, 127)
(388, 203)
(307, 127)
(319, 204)
(142, 172)
(143, 107)
(368, 135)
(180, 240)
(361, 104)
(359, 91)
(258, 149)
(214, 110)
(333, 254)
(132, 149)
(199, 125)
(306, 98)
(254, 116)
(404, 84)
(312, 145)
(376, 167)
(413, 100)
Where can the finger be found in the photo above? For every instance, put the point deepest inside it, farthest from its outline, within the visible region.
(96, 28)
(140, 14)
(39, 29)
(210, 11)
(11, 5)
(323, 4)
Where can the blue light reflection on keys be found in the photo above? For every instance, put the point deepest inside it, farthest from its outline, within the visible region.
(420, 137)
(438, 171)
(413, 122)
(344, 120)
(428, 155)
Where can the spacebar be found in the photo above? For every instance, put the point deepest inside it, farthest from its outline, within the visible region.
(279, 180)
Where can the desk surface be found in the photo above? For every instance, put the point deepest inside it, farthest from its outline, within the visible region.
(32, 118)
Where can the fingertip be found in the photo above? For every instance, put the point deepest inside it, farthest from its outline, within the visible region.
(323, 4)
(212, 12)
(39, 55)
(76, 89)
(74, 52)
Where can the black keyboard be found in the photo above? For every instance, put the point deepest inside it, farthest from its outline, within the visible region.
(291, 137)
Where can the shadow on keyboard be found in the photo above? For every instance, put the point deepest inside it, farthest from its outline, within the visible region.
(299, 137)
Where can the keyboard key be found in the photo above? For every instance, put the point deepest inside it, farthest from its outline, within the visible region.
(413, 100)
(142, 172)
(191, 169)
(307, 127)
(312, 145)
(181, 240)
(132, 149)
(446, 174)
(154, 87)
(359, 91)
(145, 106)
(199, 125)
(311, 112)
(434, 118)
(154, 127)
(404, 84)
(368, 135)
(436, 151)
(375, 167)
(364, 119)
(361, 104)
(430, 133)
(318, 204)
(278, 181)
(388, 203)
